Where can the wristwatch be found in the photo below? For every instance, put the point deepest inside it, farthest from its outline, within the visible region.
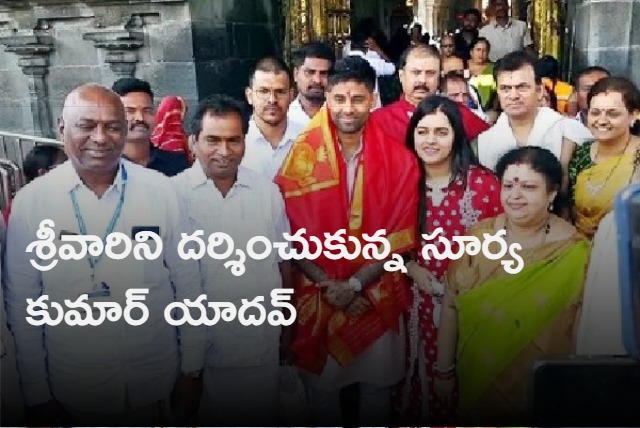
(355, 284)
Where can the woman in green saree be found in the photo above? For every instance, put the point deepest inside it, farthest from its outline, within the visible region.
(495, 325)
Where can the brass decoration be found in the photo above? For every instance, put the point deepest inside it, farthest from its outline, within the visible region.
(546, 27)
(313, 20)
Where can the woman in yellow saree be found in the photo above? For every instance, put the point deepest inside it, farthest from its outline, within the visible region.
(601, 168)
(495, 325)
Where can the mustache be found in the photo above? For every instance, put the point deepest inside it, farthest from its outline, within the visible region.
(421, 87)
(136, 123)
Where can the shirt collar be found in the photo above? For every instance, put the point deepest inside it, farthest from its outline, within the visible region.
(197, 176)
(290, 133)
(357, 153)
(509, 22)
(70, 180)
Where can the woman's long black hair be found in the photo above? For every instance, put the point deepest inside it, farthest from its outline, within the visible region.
(462, 157)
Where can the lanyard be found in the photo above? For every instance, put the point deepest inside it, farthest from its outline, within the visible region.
(93, 262)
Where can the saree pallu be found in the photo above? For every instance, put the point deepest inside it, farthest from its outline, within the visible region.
(596, 189)
(169, 134)
(313, 181)
(507, 322)
(485, 84)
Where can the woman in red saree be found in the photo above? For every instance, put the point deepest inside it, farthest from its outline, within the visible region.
(169, 134)
(455, 193)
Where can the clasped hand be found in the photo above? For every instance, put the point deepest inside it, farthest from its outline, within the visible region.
(340, 295)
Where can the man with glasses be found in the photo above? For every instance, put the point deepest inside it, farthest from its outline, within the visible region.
(271, 133)
(524, 122)
(311, 65)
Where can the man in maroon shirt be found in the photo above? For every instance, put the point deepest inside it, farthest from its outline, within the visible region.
(419, 71)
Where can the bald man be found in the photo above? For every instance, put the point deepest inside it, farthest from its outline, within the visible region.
(115, 373)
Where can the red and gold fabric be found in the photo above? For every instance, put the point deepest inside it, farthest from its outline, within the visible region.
(168, 133)
(313, 180)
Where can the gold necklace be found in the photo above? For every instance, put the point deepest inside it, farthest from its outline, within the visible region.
(546, 228)
(595, 189)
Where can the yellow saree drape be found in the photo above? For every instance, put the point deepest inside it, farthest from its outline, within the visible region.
(507, 322)
(596, 189)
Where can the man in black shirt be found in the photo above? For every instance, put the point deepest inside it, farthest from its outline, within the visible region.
(137, 97)
(468, 33)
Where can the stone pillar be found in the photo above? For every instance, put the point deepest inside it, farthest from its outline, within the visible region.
(120, 47)
(426, 16)
(606, 33)
(33, 48)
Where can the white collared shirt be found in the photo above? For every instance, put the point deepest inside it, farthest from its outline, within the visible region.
(261, 156)
(297, 114)
(94, 369)
(549, 130)
(352, 166)
(514, 36)
(252, 207)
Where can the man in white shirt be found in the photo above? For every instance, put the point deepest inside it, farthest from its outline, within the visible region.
(114, 373)
(382, 67)
(505, 34)
(311, 65)
(242, 362)
(524, 122)
(271, 133)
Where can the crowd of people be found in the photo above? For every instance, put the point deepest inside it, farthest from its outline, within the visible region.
(447, 341)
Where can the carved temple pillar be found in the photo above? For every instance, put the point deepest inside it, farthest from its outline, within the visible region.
(121, 49)
(427, 16)
(33, 48)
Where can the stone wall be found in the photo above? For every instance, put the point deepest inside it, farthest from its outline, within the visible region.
(228, 37)
(92, 41)
(607, 33)
(190, 48)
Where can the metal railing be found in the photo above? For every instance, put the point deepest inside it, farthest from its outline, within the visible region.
(13, 150)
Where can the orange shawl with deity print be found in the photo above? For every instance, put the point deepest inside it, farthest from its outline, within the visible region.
(385, 196)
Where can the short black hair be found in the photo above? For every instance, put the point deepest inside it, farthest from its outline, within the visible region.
(590, 70)
(40, 157)
(127, 85)
(358, 41)
(353, 68)
(475, 12)
(217, 105)
(516, 61)
(548, 67)
(271, 64)
(430, 51)
(313, 50)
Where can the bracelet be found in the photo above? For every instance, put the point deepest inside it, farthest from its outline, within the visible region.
(450, 369)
